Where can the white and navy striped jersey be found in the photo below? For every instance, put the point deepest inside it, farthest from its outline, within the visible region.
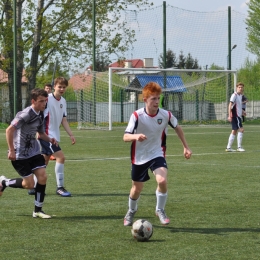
(155, 128)
(27, 123)
(236, 99)
(53, 114)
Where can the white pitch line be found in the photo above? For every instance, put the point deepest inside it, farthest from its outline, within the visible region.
(128, 158)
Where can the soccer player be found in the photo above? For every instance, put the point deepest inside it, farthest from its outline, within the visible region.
(48, 88)
(147, 130)
(54, 116)
(24, 150)
(235, 113)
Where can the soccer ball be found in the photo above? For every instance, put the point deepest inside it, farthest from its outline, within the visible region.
(142, 230)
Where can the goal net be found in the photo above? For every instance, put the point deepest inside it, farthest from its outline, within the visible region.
(107, 100)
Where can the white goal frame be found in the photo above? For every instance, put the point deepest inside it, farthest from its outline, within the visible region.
(151, 70)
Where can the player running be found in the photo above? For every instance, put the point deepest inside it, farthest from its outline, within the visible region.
(147, 130)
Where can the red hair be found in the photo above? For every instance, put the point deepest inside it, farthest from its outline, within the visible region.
(151, 88)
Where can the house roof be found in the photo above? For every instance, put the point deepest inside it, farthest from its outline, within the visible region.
(173, 83)
(4, 77)
(80, 81)
(136, 63)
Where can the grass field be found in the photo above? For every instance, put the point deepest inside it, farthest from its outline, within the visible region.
(213, 202)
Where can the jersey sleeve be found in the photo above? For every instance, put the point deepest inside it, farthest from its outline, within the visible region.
(173, 121)
(132, 124)
(233, 98)
(20, 119)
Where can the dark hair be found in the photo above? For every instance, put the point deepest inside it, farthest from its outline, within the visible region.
(48, 85)
(61, 80)
(36, 92)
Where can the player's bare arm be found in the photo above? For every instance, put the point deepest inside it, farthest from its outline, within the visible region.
(46, 138)
(187, 151)
(66, 126)
(134, 137)
(9, 138)
(230, 111)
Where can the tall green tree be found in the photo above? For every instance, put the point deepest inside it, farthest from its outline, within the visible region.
(50, 29)
(48, 75)
(189, 62)
(253, 27)
(171, 60)
(181, 61)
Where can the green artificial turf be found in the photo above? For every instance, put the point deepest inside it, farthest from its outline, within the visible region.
(213, 201)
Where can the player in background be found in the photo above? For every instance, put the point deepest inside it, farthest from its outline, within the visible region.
(54, 116)
(48, 88)
(24, 150)
(235, 113)
(147, 130)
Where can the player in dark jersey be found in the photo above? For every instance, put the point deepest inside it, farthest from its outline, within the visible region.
(24, 150)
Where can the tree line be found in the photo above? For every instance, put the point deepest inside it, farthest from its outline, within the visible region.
(180, 62)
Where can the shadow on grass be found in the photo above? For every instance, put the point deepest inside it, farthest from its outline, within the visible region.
(149, 241)
(215, 231)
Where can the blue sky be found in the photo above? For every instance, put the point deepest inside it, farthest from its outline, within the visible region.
(206, 5)
(199, 27)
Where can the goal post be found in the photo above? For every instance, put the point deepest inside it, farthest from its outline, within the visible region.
(193, 96)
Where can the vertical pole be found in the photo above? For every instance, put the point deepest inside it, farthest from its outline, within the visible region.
(94, 34)
(164, 34)
(164, 56)
(229, 38)
(14, 58)
(229, 51)
(110, 99)
(94, 58)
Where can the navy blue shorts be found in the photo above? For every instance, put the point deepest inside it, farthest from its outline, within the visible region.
(26, 167)
(49, 148)
(140, 172)
(236, 123)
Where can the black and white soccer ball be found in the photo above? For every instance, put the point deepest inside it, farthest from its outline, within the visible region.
(142, 230)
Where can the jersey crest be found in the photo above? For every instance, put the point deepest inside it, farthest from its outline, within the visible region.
(159, 121)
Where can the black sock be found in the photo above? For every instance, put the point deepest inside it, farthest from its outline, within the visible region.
(14, 183)
(39, 190)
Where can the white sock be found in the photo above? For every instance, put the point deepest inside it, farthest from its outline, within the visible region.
(132, 204)
(230, 140)
(239, 139)
(161, 200)
(59, 171)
